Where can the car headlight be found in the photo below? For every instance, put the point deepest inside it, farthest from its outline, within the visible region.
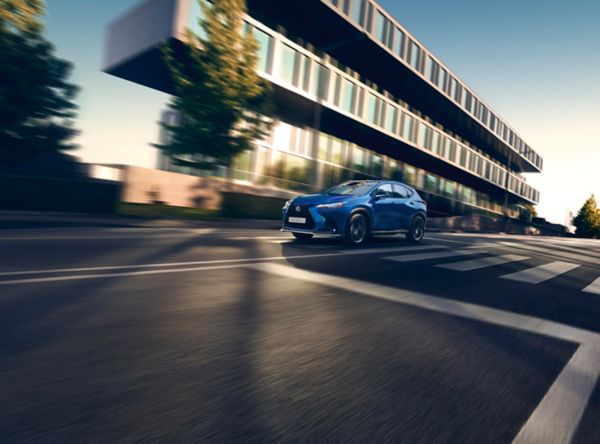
(286, 205)
(331, 206)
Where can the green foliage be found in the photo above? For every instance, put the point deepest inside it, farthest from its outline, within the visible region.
(21, 15)
(527, 213)
(36, 99)
(159, 211)
(224, 104)
(587, 220)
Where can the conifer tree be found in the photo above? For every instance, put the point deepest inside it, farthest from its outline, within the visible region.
(587, 220)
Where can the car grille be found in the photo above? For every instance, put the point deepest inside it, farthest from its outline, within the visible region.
(302, 211)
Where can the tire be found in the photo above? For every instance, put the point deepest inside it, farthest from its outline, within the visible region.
(416, 230)
(357, 230)
(303, 236)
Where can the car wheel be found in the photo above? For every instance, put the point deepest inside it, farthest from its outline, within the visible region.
(303, 236)
(416, 230)
(357, 230)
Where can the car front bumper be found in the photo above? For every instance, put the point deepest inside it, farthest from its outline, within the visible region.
(318, 221)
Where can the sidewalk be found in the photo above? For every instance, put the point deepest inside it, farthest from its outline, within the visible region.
(34, 219)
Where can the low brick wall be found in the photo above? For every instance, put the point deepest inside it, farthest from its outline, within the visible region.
(147, 186)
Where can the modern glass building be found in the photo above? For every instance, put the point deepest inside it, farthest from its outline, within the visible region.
(357, 96)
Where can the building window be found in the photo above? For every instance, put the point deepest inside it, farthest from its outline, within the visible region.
(430, 68)
(398, 42)
(324, 142)
(415, 56)
(431, 182)
(441, 81)
(371, 109)
(379, 26)
(407, 127)
(265, 42)
(459, 93)
(376, 165)
(317, 80)
(423, 135)
(337, 155)
(356, 11)
(435, 142)
(390, 118)
(359, 159)
(288, 58)
(410, 175)
(348, 89)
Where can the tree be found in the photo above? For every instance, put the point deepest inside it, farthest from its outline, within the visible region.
(527, 213)
(587, 221)
(36, 98)
(224, 104)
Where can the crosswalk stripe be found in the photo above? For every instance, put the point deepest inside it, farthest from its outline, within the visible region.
(554, 252)
(542, 273)
(594, 287)
(484, 262)
(426, 256)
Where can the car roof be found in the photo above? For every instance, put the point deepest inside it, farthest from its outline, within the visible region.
(379, 181)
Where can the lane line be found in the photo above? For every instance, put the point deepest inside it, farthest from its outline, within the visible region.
(212, 262)
(557, 416)
(593, 288)
(111, 275)
(427, 256)
(260, 237)
(485, 262)
(537, 275)
(109, 236)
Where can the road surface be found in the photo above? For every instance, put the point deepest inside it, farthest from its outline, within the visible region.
(231, 335)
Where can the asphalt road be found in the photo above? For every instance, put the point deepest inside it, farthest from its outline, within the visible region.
(230, 335)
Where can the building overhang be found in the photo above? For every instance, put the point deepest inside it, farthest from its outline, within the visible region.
(353, 47)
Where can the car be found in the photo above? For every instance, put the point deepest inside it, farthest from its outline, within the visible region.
(357, 210)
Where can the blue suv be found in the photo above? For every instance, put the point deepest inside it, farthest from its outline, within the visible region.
(356, 210)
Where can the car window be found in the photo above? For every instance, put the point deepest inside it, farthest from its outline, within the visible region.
(357, 188)
(401, 192)
(386, 188)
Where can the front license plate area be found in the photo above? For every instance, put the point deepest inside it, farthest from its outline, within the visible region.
(297, 220)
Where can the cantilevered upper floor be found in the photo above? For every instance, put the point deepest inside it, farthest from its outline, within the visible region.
(362, 35)
(305, 79)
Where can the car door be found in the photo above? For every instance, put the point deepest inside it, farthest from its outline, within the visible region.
(384, 217)
(404, 209)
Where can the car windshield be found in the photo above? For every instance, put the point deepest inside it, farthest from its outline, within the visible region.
(351, 189)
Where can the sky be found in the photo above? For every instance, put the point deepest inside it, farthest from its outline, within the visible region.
(535, 62)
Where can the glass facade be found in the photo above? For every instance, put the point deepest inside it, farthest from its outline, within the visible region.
(289, 161)
(442, 78)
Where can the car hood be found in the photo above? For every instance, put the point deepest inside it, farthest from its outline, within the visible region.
(318, 199)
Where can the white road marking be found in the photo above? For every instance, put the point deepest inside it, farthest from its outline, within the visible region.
(556, 417)
(281, 237)
(111, 275)
(154, 235)
(211, 262)
(484, 262)
(427, 256)
(537, 275)
(594, 287)
(556, 253)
